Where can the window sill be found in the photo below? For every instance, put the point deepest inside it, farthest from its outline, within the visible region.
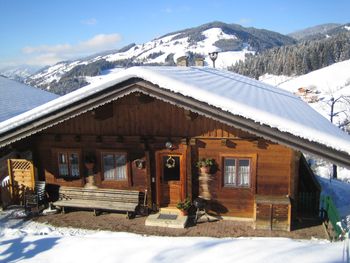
(71, 178)
(236, 187)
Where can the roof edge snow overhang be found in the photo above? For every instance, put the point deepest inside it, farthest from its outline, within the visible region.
(139, 85)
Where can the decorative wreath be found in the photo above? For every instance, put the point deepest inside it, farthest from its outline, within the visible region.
(170, 162)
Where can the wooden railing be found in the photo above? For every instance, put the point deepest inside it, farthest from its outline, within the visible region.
(330, 212)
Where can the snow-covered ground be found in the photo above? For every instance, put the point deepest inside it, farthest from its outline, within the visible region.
(27, 241)
(33, 242)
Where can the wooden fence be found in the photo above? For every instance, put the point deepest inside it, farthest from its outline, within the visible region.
(21, 173)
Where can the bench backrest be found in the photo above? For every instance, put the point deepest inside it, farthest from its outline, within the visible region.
(111, 195)
(39, 190)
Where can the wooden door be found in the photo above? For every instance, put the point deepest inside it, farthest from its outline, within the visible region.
(170, 177)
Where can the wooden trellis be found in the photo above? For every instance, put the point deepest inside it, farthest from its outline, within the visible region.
(21, 173)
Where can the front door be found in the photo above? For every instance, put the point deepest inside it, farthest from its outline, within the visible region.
(170, 177)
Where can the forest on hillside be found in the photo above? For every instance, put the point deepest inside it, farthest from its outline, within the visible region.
(296, 59)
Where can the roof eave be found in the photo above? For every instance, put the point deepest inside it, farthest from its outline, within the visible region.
(135, 84)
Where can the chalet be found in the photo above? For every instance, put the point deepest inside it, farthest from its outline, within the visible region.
(145, 128)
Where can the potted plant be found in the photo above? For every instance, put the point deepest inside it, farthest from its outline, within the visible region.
(89, 162)
(204, 165)
(184, 206)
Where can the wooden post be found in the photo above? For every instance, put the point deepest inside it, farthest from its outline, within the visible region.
(148, 179)
(10, 177)
(189, 171)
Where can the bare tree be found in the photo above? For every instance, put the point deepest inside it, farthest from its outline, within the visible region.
(339, 113)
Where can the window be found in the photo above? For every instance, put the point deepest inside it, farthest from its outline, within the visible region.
(114, 166)
(68, 164)
(237, 172)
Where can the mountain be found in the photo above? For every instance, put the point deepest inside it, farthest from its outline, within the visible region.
(313, 32)
(320, 31)
(298, 59)
(234, 42)
(19, 73)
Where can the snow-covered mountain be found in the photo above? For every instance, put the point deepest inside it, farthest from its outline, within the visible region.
(19, 73)
(233, 42)
(320, 31)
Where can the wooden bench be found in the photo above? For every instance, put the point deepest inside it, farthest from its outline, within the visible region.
(98, 199)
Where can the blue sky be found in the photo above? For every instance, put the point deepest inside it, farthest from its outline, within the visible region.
(39, 32)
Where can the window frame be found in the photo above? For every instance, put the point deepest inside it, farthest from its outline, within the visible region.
(127, 179)
(68, 152)
(252, 169)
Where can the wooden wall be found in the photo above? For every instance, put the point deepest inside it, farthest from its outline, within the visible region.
(272, 173)
(133, 115)
(140, 124)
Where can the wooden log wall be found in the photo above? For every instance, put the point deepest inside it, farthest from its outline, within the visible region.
(136, 122)
(271, 170)
(134, 116)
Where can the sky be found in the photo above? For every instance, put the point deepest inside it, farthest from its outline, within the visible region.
(41, 32)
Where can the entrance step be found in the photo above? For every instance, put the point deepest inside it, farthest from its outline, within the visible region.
(171, 219)
(169, 210)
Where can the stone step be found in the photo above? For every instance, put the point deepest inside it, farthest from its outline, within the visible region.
(179, 221)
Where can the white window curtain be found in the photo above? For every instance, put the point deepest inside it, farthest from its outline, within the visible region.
(108, 166)
(244, 172)
(114, 166)
(120, 167)
(62, 165)
(230, 172)
(74, 164)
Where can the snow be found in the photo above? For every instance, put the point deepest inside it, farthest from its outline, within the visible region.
(275, 80)
(17, 98)
(27, 241)
(335, 75)
(141, 54)
(347, 27)
(228, 58)
(168, 45)
(231, 92)
(324, 83)
(331, 77)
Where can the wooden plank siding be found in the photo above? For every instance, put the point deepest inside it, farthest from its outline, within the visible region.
(140, 125)
(133, 118)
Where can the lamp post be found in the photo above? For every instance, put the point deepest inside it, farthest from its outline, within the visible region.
(213, 56)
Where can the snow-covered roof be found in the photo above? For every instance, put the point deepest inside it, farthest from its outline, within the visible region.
(17, 98)
(230, 92)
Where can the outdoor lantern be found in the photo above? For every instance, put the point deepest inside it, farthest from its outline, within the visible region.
(169, 145)
(213, 56)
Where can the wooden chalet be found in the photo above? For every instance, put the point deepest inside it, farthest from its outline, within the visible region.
(146, 127)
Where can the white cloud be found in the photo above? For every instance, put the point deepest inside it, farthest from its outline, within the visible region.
(50, 54)
(89, 22)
